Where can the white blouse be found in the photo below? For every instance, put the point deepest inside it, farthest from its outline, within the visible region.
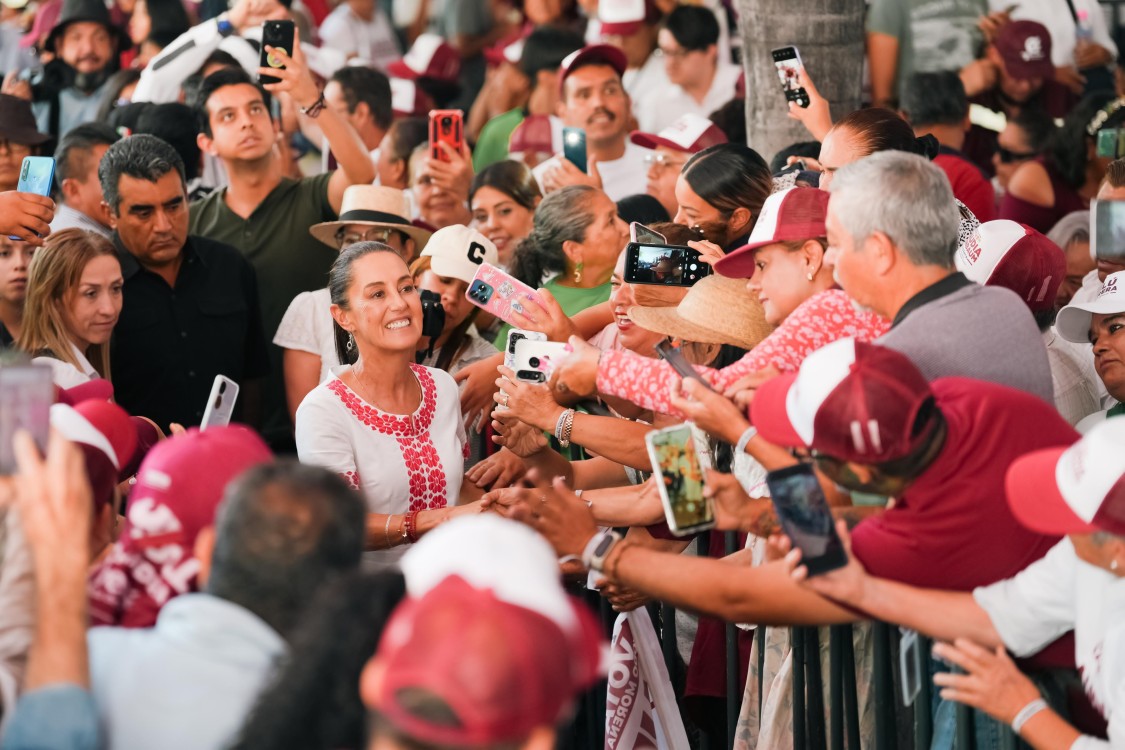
(399, 462)
(307, 327)
(66, 375)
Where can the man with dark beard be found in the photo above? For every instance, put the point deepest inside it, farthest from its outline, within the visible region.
(71, 87)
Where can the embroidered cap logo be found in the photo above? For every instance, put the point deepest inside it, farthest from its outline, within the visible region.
(1032, 49)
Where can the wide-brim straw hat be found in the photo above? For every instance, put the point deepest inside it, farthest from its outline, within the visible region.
(372, 206)
(716, 310)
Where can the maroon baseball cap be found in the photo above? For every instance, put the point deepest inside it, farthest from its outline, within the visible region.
(106, 437)
(595, 54)
(691, 133)
(850, 400)
(1014, 256)
(795, 214)
(535, 134)
(1025, 47)
(429, 57)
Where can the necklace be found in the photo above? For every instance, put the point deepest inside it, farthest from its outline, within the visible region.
(364, 394)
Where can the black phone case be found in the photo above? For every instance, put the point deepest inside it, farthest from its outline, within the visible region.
(278, 34)
(835, 557)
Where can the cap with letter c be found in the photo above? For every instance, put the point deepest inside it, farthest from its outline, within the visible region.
(458, 251)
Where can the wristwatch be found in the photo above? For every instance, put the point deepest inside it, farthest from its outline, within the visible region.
(598, 549)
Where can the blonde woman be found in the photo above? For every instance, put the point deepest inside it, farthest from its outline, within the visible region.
(73, 302)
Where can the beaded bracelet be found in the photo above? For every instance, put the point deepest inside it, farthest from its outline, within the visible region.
(624, 545)
(412, 525)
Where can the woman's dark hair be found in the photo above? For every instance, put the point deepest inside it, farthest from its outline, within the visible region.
(404, 136)
(1038, 126)
(642, 207)
(563, 216)
(340, 280)
(877, 129)
(312, 701)
(730, 176)
(113, 88)
(731, 119)
(1067, 149)
(512, 178)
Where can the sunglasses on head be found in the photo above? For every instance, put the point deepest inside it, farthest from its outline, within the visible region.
(1007, 157)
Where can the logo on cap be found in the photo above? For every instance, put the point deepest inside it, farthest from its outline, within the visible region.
(1032, 49)
(1109, 287)
(476, 253)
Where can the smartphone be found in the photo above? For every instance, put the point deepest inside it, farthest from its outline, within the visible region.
(787, 61)
(638, 232)
(279, 34)
(497, 292)
(446, 126)
(910, 665)
(673, 356)
(36, 176)
(515, 335)
(534, 361)
(1108, 230)
(677, 464)
(220, 404)
(574, 146)
(804, 514)
(26, 395)
(663, 265)
(1111, 143)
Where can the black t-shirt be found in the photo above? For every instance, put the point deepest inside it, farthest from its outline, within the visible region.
(170, 343)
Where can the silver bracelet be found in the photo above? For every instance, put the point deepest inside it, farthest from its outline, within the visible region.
(747, 436)
(1027, 712)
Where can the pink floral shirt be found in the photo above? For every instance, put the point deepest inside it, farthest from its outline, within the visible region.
(819, 320)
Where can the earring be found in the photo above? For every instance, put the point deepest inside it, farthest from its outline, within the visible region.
(578, 272)
(1113, 565)
(351, 343)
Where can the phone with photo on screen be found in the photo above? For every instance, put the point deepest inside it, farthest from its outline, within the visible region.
(663, 265)
(279, 35)
(787, 61)
(36, 175)
(678, 469)
(26, 395)
(804, 514)
(220, 404)
(1108, 235)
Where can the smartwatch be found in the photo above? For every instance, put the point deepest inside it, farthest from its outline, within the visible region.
(598, 549)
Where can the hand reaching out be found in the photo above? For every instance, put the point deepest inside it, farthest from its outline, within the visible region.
(712, 412)
(817, 117)
(578, 373)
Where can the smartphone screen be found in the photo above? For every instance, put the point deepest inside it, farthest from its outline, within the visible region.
(787, 61)
(574, 146)
(680, 479)
(26, 395)
(1108, 230)
(664, 265)
(674, 357)
(279, 34)
(805, 516)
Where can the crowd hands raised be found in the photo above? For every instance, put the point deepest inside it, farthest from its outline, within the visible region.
(907, 305)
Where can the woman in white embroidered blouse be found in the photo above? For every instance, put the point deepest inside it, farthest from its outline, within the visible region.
(73, 302)
(392, 428)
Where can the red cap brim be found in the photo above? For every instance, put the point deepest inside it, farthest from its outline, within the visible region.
(769, 415)
(399, 69)
(1034, 496)
(739, 263)
(652, 140)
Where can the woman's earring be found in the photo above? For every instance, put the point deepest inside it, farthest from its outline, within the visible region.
(578, 272)
(812, 274)
(351, 343)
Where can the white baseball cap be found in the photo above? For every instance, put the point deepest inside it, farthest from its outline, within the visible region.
(1073, 321)
(691, 133)
(457, 252)
(1014, 256)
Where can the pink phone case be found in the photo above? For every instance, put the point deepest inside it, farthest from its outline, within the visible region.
(496, 292)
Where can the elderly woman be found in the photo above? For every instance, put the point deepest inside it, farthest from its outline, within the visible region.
(390, 427)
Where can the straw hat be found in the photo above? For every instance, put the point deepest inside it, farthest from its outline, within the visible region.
(372, 206)
(717, 310)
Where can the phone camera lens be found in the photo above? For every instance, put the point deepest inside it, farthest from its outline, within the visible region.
(533, 361)
(222, 387)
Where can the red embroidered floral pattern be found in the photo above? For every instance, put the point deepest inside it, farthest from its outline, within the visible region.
(412, 433)
(819, 320)
(352, 478)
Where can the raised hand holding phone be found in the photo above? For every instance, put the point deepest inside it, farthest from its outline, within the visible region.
(26, 216)
(277, 37)
(36, 175)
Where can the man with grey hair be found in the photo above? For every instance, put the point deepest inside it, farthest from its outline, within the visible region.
(892, 235)
(190, 304)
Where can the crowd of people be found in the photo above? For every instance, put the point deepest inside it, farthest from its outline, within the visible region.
(402, 540)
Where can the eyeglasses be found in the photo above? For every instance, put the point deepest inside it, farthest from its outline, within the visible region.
(663, 161)
(675, 54)
(375, 234)
(1007, 157)
(15, 149)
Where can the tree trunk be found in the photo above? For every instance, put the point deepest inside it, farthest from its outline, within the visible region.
(828, 34)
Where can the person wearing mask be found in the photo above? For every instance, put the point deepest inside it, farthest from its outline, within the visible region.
(701, 81)
(76, 175)
(935, 104)
(15, 257)
(594, 99)
(1074, 491)
(360, 29)
(669, 151)
(191, 307)
(18, 137)
(307, 334)
(282, 532)
(1101, 323)
(74, 287)
(264, 214)
(1068, 175)
(69, 90)
(382, 405)
(504, 197)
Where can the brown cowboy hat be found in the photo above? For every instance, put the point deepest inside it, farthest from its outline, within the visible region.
(17, 123)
